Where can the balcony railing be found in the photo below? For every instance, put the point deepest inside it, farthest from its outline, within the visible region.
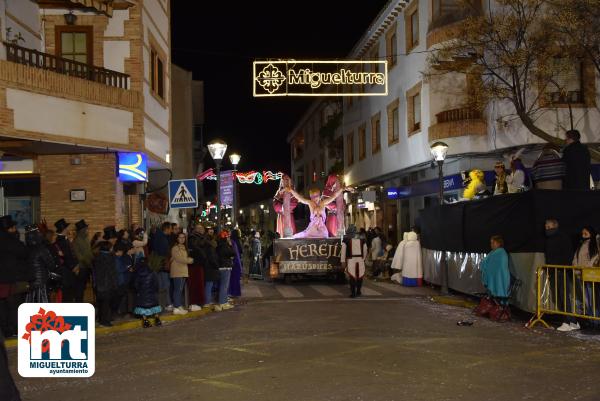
(37, 59)
(461, 114)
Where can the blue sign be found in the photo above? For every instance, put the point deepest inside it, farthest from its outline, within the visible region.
(183, 193)
(133, 167)
(451, 183)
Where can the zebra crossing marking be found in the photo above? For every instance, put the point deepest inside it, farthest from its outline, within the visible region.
(251, 291)
(287, 291)
(370, 292)
(326, 290)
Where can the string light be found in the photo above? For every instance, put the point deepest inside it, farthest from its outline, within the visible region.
(250, 177)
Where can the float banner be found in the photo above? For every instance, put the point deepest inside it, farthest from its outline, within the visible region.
(320, 78)
(308, 255)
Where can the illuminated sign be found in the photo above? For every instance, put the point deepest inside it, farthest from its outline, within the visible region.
(320, 78)
(133, 167)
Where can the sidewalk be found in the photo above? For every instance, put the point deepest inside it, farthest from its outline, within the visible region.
(130, 324)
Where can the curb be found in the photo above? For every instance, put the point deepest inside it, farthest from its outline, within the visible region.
(129, 325)
(453, 301)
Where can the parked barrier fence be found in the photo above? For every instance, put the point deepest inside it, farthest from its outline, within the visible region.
(567, 290)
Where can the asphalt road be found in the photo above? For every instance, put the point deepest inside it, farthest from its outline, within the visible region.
(380, 347)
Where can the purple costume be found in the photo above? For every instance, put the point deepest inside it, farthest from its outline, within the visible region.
(316, 228)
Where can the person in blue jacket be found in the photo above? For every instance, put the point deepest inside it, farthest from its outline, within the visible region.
(494, 269)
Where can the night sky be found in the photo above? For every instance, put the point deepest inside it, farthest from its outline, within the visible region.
(218, 41)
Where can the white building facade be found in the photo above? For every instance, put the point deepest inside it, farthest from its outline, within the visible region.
(387, 139)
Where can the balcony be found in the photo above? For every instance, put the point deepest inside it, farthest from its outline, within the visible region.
(458, 122)
(45, 61)
(42, 73)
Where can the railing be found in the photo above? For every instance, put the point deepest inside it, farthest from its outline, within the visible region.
(567, 290)
(37, 59)
(461, 114)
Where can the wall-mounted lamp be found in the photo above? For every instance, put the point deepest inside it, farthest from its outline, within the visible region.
(70, 18)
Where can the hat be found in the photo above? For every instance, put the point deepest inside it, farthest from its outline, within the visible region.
(81, 224)
(61, 225)
(109, 232)
(6, 222)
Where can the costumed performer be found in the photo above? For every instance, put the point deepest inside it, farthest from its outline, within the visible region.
(476, 188)
(409, 260)
(316, 227)
(353, 254)
(500, 186)
(335, 210)
(279, 207)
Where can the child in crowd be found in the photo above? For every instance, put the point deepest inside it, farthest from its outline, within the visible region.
(179, 272)
(146, 294)
(140, 241)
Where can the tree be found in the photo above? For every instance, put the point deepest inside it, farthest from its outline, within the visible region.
(578, 22)
(511, 50)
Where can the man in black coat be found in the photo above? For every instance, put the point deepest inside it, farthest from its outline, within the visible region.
(12, 269)
(576, 157)
(558, 250)
(69, 268)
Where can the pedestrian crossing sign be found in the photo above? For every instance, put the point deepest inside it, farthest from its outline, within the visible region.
(183, 193)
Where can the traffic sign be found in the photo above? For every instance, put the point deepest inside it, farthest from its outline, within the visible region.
(183, 193)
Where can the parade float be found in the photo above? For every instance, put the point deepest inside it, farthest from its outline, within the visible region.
(315, 251)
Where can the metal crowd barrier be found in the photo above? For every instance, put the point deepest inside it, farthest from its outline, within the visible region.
(567, 290)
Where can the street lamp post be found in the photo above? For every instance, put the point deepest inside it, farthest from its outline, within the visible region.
(439, 151)
(234, 158)
(217, 149)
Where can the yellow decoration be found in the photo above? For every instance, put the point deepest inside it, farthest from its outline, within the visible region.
(476, 184)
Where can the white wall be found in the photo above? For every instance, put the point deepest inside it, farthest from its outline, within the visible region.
(22, 16)
(156, 141)
(115, 53)
(56, 116)
(116, 24)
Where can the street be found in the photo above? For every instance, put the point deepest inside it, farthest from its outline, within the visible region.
(386, 345)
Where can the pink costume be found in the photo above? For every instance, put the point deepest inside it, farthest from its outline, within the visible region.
(335, 224)
(316, 228)
(278, 205)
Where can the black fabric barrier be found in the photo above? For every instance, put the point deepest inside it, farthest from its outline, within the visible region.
(519, 218)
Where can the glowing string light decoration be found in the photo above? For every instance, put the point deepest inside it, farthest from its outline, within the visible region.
(250, 177)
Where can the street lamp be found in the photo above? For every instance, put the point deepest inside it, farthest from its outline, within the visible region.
(439, 151)
(234, 158)
(217, 149)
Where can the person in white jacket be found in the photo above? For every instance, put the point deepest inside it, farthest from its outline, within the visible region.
(408, 258)
(397, 261)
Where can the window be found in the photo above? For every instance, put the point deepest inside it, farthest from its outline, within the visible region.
(391, 46)
(414, 28)
(362, 142)
(75, 43)
(157, 70)
(393, 118)
(568, 80)
(440, 8)
(376, 133)
(350, 148)
(374, 56)
(413, 109)
(411, 21)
